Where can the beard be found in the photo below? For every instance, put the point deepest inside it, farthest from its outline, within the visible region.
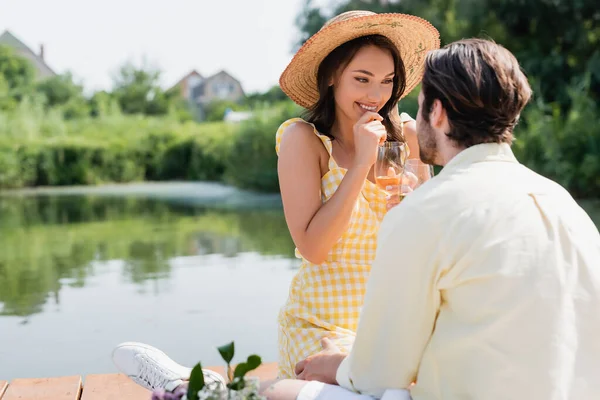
(428, 148)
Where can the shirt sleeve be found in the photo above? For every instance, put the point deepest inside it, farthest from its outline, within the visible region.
(400, 306)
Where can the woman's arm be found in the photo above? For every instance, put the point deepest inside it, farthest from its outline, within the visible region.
(315, 227)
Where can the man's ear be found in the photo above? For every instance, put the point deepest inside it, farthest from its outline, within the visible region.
(437, 115)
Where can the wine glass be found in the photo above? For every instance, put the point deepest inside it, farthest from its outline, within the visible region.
(414, 174)
(390, 164)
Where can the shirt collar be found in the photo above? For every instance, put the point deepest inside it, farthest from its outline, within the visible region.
(480, 153)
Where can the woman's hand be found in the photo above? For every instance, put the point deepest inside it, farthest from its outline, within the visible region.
(322, 366)
(408, 182)
(369, 133)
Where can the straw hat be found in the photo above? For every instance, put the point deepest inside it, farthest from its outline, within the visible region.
(413, 36)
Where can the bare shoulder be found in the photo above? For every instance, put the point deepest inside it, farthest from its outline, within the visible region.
(300, 138)
(409, 127)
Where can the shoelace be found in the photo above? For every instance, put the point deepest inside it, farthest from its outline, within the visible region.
(155, 378)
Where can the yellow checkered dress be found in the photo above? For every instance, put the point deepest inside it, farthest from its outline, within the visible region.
(326, 299)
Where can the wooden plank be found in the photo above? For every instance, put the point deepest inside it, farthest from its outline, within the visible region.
(65, 388)
(3, 386)
(113, 386)
(265, 372)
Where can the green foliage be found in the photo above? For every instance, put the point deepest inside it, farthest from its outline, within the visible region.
(410, 103)
(227, 352)
(309, 21)
(63, 93)
(137, 91)
(272, 96)
(252, 362)
(215, 111)
(102, 104)
(38, 147)
(16, 78)
(196, 382)
(236, 379)
(252, 161)
(563, 145)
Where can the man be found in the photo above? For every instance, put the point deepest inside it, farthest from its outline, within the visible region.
(486, 283)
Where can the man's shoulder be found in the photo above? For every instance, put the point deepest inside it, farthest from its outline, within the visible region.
(489, 185)
(436, 194)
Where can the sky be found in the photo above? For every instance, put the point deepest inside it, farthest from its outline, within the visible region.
(251, 39)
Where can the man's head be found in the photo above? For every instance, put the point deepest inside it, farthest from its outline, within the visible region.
(472, 92)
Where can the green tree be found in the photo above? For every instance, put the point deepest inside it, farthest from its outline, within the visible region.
(102, 104)
(6, 101)
(215, 110)
(137, 91)
(271, 96)
(556, 41)
(62, 92)
(309, 21)
(17, 77)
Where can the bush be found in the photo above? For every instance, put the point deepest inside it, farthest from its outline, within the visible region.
(252, 161)
(112, 149)
(563, 145)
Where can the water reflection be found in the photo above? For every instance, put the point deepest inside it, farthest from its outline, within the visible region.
(50, 242)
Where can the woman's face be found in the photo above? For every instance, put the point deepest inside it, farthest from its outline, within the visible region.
(366, 84)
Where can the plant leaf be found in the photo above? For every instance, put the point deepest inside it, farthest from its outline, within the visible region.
(227, 351)
(196, 382)
(236, 384)
(251, 363)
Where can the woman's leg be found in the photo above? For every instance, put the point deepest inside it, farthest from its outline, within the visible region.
(281, 389)
(293, 389)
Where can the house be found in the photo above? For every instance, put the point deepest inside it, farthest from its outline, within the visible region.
(220, 86)
(200, 91)
(37, 60)
(188, 82)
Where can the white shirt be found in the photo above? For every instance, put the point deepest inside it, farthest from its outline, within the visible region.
(486, 285)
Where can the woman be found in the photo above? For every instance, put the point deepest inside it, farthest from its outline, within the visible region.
(365, 63)
(349, 76)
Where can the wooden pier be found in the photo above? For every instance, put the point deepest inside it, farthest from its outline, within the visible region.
(93, 387)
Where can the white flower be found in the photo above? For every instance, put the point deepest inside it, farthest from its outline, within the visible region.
(249, 392)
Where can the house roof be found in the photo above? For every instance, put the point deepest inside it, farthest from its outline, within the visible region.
(222, 72)
(23, 50)
(191, 73)
(199, 90)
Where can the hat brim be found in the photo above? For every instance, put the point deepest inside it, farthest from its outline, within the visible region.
(413, 36)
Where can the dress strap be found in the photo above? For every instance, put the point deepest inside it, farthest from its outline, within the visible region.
(324, 139)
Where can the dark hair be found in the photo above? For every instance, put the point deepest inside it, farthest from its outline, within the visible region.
(322, 113)
(481, 88)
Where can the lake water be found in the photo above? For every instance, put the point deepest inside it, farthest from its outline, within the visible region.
(186, 267)
(177, 266)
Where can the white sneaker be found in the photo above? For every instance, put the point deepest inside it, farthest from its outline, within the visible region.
(153, 369)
